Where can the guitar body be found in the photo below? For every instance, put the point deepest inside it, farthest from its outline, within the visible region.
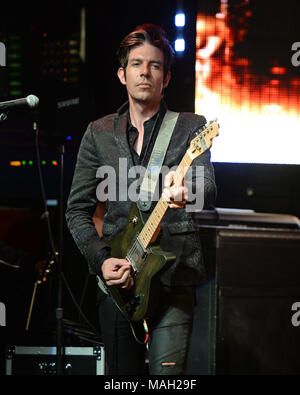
(134, 303)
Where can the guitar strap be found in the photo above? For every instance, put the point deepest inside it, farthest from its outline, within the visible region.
(156, 160)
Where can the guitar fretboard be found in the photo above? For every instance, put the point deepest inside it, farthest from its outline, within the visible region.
(153, 222)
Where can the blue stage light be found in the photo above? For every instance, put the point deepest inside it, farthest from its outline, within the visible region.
(179, 45)
(180, 19)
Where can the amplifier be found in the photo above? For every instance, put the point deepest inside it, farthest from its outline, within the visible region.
(25, 360)
(243, 322)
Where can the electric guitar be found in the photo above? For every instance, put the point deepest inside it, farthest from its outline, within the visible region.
(136, 243)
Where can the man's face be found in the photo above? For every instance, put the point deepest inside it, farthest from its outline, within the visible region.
(144, 75)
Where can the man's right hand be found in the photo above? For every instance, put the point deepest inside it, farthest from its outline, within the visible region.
(117, 272)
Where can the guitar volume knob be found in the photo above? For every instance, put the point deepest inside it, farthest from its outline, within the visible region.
(134, 220)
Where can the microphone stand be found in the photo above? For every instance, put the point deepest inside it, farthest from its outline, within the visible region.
(58, 255)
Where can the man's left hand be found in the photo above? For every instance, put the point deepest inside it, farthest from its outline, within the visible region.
(175, 196)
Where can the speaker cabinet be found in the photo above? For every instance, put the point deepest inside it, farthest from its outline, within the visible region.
(243, 317)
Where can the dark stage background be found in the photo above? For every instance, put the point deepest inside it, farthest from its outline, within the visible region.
(65, 52)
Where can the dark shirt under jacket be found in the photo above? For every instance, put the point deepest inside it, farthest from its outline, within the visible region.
(150, 134)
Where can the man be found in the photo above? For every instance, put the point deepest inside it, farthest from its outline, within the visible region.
(145, 56)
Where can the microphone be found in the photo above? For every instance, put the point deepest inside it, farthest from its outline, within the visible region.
(31, 101)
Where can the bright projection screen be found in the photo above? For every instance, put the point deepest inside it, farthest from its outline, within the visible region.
(248, 76)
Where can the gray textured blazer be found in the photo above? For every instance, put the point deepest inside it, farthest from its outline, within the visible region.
(104, 142)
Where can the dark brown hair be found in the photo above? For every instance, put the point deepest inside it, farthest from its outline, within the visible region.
(147, 33)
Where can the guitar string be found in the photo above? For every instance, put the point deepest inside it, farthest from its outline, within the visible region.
(133, 249)
(158, 212)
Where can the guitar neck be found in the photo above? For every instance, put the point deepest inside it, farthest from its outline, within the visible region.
(151, 226)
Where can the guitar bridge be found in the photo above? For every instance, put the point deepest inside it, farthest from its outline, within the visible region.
(137, 255)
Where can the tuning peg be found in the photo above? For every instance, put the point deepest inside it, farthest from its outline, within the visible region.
(199, 130)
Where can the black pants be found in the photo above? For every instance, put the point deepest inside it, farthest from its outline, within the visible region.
(169, 330)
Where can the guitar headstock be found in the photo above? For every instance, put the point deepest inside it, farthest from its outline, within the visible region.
(203, 140)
